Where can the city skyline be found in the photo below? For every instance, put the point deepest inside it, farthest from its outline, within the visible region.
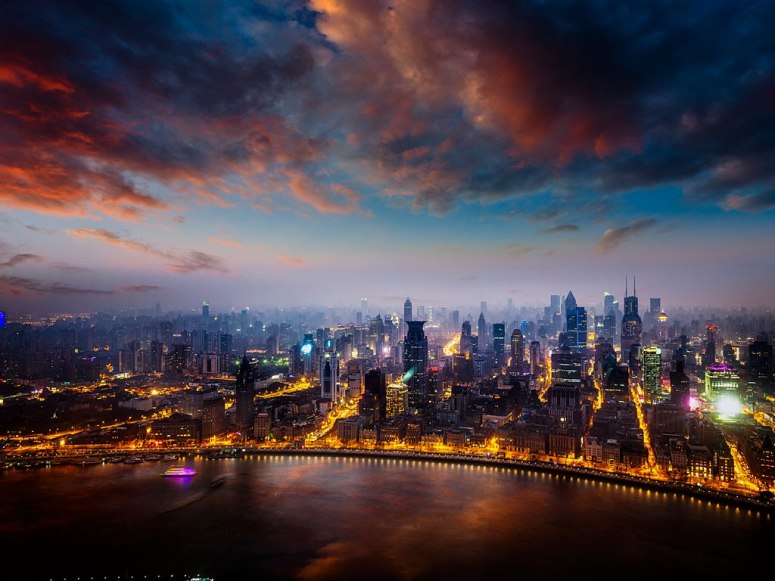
(315, 152)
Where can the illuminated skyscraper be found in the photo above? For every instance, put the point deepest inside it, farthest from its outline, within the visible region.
(407, 310)
(416, 364)
(499, 341)
(652, 363)
(398, 399)
(721, 380)
(517, 348)
(709, 357)
(576, 325)
(244, 397)
(308, 353)
(205, 310)
(329, 376)
(632, 326)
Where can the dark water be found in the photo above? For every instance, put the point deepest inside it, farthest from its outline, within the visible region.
(346, 518)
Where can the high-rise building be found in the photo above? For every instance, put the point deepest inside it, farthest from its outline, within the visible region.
(652, 364)
(398, 399)
(482, 332)
(416, 364)
(632, 326)
(567, 367)
(244, 397)
(308, 353)
(483, 307)
(374, 398)
(205, 310)
(466, 340)
(655, 306)
(609, 326)
(575, 325)
(760, 360)
(709, 357)
(517, 348)
(536, 357)
(329, 376)
(407, 310)
(679, 385)
(213, 415)
(499, 341)
(365, 306)
(721, 380)
(608, 302)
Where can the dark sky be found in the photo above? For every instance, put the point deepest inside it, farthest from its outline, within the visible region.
(316, 152)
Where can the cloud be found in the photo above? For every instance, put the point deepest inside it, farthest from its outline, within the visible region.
(70, 268)
(225, 242)
(759, 202)
(290, 260)
(136, 109)
(141, 288)
(177, 261)
(615, 237)
(561, 228)
(519, 250)
(20, 259)
(17, 286)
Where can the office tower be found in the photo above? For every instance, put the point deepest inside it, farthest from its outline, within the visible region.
(416, 364)
(609, 326)
(407, 310)
(662, 327)
(632, 326)
(156, 363)
(365, 306)
(655, 306)
(482, 332)
(679, 385)
(483, 307)
(244, 397)
(652, 364)
(329, 376)
(454, 319)
(213, 415)
(398, 399)
(374, 395)
(308, 353)
(709, 357)
(359, 318)
(205, 310)
(433, 384)
(536, 357)
(760, 361)
(608, 302)
(466, 341)
(571, 322)
(567, 367)
(721, 380)
(554, 303)
(517, 348)
(499, 340)
(581, 330)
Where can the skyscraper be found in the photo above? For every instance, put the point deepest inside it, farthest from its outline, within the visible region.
(652, 363)
(679, 385)
(407, 310)
(416, 364)
(632, 326)
(499, 340)
(329, 374)
(655, 305)
(244, 397)
(517, 348)
(709, 357)
(466, 341)
(575, 325)
(205, 310)
(482, 332)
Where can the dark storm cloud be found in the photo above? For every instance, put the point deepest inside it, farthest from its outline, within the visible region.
(434, 104)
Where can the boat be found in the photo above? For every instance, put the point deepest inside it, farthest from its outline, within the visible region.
(90, 461)
(217, 481)
(116, 460)
(152, 458)
(169, 457)
(177, 471)
(133, 460)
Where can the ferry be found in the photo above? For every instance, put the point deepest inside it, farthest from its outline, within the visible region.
(179, 471)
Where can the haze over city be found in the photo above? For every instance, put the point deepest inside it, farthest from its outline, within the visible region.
(298, 153)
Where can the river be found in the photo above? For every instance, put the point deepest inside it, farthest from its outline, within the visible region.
(361, 518)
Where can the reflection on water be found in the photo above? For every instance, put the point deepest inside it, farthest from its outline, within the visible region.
(341, 518)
